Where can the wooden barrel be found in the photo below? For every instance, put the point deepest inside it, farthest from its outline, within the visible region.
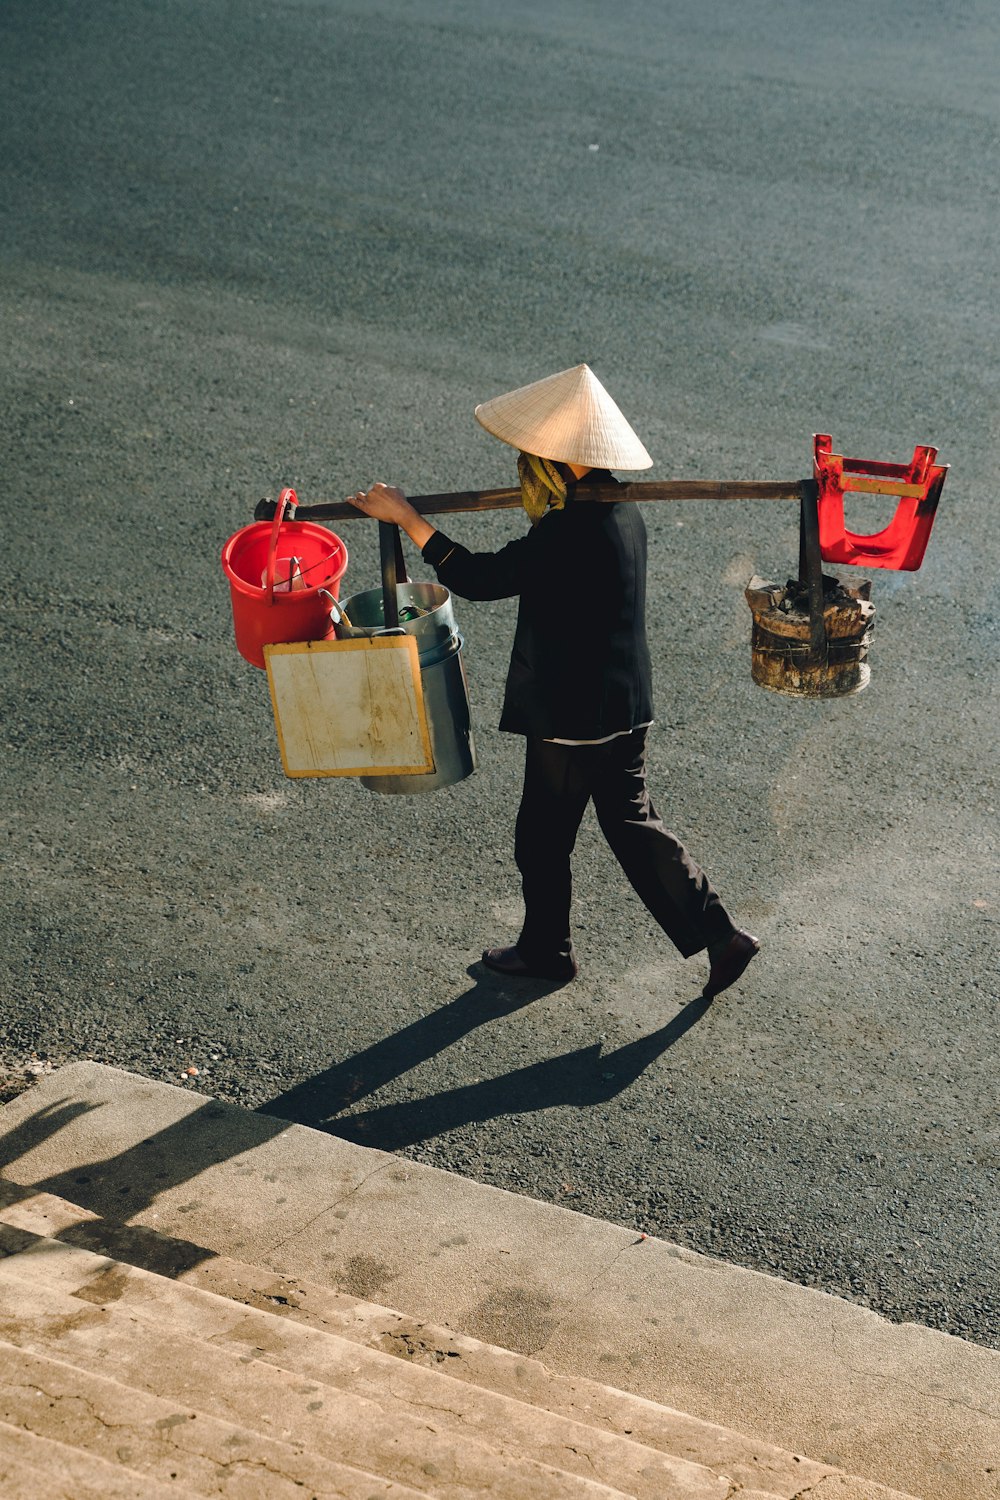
(782, 655)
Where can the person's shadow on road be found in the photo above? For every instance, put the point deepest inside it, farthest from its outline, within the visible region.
(585, 1076)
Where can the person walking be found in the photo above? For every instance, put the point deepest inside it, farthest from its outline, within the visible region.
(579, 684)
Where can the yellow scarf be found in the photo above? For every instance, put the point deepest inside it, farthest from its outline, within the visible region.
(542, 485)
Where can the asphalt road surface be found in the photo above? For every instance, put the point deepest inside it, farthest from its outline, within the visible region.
(295, 243)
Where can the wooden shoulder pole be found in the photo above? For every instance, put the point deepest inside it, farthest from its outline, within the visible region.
(509, 499)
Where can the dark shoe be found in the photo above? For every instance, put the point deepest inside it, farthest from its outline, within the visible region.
(728, 965)
(509, 962)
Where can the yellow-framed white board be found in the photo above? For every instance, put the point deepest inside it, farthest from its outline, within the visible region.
(350, 708)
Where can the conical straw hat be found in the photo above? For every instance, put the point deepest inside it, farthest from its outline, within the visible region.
(568, 417)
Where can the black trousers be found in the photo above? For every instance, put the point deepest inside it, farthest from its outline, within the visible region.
(559, 781)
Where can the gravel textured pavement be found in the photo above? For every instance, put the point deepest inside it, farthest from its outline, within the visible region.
(295, 243)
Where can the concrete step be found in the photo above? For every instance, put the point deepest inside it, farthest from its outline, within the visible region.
(510, 1426)
(38, 1468)
(740, 1459)
(333, 1424)
(809, 1373)
(153, 1441)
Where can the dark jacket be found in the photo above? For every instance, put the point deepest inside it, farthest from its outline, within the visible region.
(579, 668)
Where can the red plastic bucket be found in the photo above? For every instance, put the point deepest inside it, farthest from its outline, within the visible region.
(264, 614)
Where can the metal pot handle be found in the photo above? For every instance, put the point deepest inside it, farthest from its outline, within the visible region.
(393, 570)
(343, 618)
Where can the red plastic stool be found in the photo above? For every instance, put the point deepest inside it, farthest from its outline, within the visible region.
(901, 546)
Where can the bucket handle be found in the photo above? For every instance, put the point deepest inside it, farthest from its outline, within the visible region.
(287, 498)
